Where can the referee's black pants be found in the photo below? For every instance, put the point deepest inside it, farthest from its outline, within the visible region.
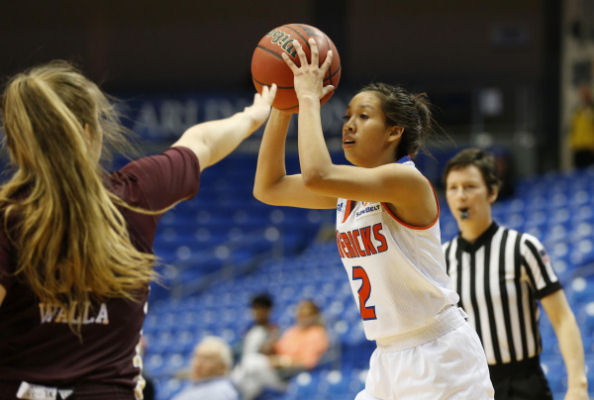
(522, 380)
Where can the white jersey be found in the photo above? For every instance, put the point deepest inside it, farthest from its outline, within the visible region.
(397, 272)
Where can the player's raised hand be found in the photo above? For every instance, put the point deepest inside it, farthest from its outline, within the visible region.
(260, 108)
(309, 77)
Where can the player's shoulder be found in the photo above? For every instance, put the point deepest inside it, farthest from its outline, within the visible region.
(409, 169)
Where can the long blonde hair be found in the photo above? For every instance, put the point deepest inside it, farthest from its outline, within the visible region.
(72, 243)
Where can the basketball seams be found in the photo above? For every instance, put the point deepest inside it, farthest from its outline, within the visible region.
(289, 108)
(270, 51)
(268, 84)
(329, 78)
(316, 33)
(303, 38)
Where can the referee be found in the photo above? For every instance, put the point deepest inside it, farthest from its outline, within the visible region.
(500, 274)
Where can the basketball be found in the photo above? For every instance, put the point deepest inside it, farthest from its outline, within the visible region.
(268, 67)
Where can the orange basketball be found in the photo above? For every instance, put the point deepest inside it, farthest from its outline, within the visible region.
(268, 66)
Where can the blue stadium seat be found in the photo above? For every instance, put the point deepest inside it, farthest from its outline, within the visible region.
(168, 388)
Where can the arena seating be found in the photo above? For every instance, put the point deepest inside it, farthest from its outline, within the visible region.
(222, 247)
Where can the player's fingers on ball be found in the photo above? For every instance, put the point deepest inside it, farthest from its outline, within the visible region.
(327, 62)
(327, 89)
(315, 53)
(272, 90)
(268, 93)
(289, 62)
(300, 53)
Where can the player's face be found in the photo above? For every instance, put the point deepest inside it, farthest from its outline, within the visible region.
(365, 133)
(467, 195)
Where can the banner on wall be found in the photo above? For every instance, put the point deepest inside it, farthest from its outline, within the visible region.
(166, 117)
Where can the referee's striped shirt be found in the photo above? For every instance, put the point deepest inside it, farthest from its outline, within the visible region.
(499, 277)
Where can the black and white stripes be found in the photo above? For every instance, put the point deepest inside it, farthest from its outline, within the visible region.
(499, 278)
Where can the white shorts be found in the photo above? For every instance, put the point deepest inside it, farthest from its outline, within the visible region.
(453, 366)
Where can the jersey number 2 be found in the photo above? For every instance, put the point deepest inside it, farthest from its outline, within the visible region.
(367, 313)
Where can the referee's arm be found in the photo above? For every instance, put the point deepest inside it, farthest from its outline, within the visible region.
(555, 304)
(562, 318)
(570, 343)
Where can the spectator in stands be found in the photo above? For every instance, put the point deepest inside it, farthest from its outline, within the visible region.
(261, 336)
(499, 274)
(210, 372)
(300, 348)
(75, 242)
(387, 232)
(581, 136)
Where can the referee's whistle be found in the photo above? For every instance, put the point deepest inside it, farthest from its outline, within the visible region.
(464, 213)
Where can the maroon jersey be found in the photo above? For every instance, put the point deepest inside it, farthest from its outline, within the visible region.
(36, 344)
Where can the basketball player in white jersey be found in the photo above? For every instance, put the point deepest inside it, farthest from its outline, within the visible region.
(387, 234)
